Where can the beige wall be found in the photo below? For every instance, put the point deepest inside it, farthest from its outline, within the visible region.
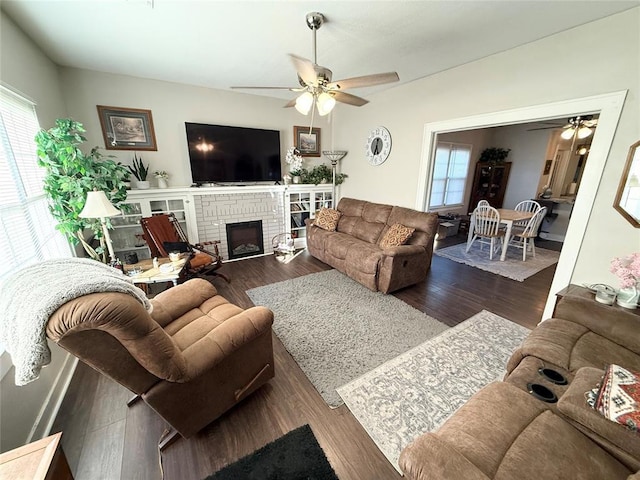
(26, 69)
(596, 58)
(172, 105)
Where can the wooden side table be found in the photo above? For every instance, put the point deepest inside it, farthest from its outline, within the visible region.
(583, 292)
(39, 460)
(149, 274)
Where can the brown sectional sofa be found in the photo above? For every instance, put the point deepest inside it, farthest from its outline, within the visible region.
(353, 248)
(504, 432)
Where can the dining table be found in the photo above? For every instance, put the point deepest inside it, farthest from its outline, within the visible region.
(507, 217)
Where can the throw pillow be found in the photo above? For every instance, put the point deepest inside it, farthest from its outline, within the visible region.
(327, 219)
(618, 397)
(397, 235)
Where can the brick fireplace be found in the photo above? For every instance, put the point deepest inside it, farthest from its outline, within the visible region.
(214, 211)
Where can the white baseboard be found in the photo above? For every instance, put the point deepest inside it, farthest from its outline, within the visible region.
(552, 236)
(47, 415)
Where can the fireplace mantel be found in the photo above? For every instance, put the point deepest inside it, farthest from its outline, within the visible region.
(211, 208)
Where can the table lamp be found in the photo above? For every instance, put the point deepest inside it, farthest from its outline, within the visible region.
(99, 206)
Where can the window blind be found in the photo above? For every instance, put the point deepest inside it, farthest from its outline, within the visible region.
(27, 230)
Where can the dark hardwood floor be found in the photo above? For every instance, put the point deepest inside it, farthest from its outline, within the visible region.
(104, 439)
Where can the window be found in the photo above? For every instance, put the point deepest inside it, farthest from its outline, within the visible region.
(449, 174)
(27, 230)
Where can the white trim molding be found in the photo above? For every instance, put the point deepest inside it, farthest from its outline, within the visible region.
(608, 106)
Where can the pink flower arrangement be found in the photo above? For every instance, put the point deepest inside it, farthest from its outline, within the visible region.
(627, 269)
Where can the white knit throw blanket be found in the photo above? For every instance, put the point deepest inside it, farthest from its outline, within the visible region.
(30, 296)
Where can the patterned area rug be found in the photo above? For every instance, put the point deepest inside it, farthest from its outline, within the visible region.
(337, 329)
(417, 391)
(296, 455)
(513, 267)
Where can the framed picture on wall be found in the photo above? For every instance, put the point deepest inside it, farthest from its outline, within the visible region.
(308, 143)
(547, 167)
(127, 128)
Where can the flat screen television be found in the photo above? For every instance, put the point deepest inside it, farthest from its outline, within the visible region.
(225, 154)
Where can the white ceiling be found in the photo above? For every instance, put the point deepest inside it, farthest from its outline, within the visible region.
(218, 44)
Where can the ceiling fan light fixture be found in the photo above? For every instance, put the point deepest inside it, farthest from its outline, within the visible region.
(304, 103)
(567, 133)
(325, 103)
(584, 132)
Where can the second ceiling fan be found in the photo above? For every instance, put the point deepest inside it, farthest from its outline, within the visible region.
(316, 86)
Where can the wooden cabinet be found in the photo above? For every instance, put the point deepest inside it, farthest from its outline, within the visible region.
(127, 231)
(489, 183)
(302, 202)
(39, 460)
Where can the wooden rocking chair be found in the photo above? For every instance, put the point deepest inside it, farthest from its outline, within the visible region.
(164, 234)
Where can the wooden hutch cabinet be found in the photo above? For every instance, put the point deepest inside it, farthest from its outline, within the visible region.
(489, 183)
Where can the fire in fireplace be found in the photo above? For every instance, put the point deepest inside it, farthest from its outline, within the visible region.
(244, 239)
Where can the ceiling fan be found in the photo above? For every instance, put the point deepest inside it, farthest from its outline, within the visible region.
(316, 87)
(583, 125)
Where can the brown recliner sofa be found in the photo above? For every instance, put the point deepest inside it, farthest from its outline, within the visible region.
(504, 432)
(354, 249)
(191, 359)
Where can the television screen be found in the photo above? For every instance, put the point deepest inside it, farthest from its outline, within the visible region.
(220, 153)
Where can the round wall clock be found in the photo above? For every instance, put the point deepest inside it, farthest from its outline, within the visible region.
(378, 146)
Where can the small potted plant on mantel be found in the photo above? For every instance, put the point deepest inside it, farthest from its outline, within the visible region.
(162, 177)
(295, 161)
(140, 171)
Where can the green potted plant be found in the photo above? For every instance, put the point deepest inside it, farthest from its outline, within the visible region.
(70, 174)
(321, 174)
(494, 155)
(140, 171)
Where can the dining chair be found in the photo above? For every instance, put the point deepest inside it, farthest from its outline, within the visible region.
(525, 237)
(526, 206)
(486, 229)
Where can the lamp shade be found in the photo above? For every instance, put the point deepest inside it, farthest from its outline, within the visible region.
(325, 103)
(567, 133)
(304, 103)
(584, 132)
(98, 206)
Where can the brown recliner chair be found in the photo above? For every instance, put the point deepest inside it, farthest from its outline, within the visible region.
(191, 359)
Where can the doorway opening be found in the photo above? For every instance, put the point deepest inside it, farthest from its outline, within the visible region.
(608, 106)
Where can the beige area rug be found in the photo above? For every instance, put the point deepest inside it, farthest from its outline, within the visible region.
(337, 329)
(513, 267)
(417, 391)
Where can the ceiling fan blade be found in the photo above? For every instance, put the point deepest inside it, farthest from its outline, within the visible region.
(293, 89)
(543, 128)
(349, 99)
(365, 81)
(305, 69)
(290, 103)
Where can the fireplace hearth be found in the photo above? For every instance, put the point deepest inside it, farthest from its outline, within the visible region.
(244, 239)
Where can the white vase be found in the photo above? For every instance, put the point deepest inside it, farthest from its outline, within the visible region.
(162, 183)
(628, 297)
(142, 184)
(296, 179)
